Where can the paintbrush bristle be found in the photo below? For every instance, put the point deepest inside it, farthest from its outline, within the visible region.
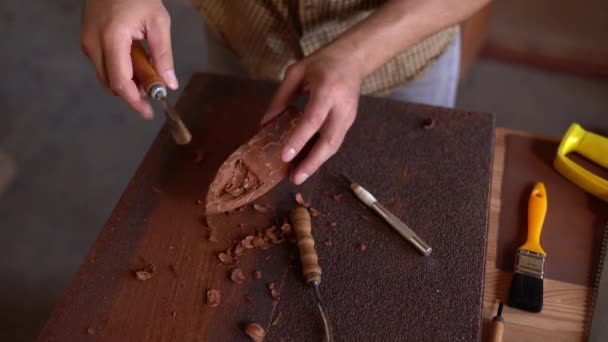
(526, 293)
(526, 290)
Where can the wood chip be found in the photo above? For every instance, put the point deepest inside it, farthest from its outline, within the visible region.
(258, 242)
(247, 242)
(314, 212)
(366, 218)
(213, 298)
(257, 275)
(255, 332)
(145, 273)
(271, 285)
(429, 123)
(237, 276)
(173, 313)
(362, 247)
(286, 229)
(276, 319)
(157, 189)
(91, 331)
(225, 258)
(327, 243)
(276, 296)
(332, 224)
(300, 200)
(337, 197)
(199, 202)
(262, 208)
(267, 257)
(238, 249)
(249, 298)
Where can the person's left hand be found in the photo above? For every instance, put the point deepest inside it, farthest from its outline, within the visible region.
(332, 83)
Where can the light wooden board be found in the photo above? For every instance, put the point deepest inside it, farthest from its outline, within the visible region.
(566, 308)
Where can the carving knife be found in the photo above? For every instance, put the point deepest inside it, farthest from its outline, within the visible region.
(146, 76)
(300, 219)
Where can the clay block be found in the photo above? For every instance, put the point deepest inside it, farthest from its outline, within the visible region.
(436, 179)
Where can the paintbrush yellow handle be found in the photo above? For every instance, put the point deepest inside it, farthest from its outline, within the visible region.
(537, 209)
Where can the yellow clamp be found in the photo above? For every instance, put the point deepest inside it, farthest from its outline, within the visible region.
(592, 146)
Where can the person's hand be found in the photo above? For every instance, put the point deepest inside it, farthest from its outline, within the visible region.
(332, 83)
(108, 29)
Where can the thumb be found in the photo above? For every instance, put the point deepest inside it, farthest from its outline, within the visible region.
(158, 34)
(286, 93)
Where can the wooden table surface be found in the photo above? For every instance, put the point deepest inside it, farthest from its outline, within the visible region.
(566, 308)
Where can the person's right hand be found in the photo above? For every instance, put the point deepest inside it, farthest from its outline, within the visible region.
(108, 29)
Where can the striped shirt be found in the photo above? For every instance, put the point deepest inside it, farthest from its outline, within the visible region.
(268, 35)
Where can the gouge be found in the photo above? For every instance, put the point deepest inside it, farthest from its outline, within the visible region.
(145, 75)
(300, 219)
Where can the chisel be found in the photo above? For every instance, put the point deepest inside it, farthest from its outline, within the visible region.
(406, 232)
(145, 75)
(300, 219)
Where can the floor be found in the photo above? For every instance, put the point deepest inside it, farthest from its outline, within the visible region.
(67, 149)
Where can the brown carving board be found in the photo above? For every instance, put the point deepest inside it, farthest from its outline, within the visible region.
(436, 179)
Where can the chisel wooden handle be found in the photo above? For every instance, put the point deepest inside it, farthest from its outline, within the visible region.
(498, 329)
(300, 219)
(144, 73)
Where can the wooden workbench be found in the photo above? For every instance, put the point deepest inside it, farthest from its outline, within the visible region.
(157, 222)
(566, 306)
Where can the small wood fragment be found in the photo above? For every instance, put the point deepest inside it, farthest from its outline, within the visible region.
(255, 332)
(145, 273)
(157, 189)
(213, 298)
(199, 202)
(173, 313)
(332, 224)
(337, 196)
(258, 242)
(429, 123)
(225, 258)
(300, 200)
(247, 242)
(262, 208)
(91, 331)
(257, 275)
(314, 212)
(276, 319)
(276, 296)
(249, 298)
(237, 276)
(327, 242)
(362, 247)
(238, 249)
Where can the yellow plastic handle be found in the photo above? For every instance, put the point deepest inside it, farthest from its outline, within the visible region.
(593, 147)
(537, 209)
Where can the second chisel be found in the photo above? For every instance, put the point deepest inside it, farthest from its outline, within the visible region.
(408, 234)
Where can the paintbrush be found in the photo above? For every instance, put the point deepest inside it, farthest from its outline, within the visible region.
(526, 291)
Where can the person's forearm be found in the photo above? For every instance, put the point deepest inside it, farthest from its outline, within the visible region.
(397, 25)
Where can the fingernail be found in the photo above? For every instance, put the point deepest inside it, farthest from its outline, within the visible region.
(148, 113)
(170, 79)
(300, 178)
(289, 154)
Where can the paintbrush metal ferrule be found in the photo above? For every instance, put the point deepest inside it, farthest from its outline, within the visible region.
(406, 232)
(530, 263)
